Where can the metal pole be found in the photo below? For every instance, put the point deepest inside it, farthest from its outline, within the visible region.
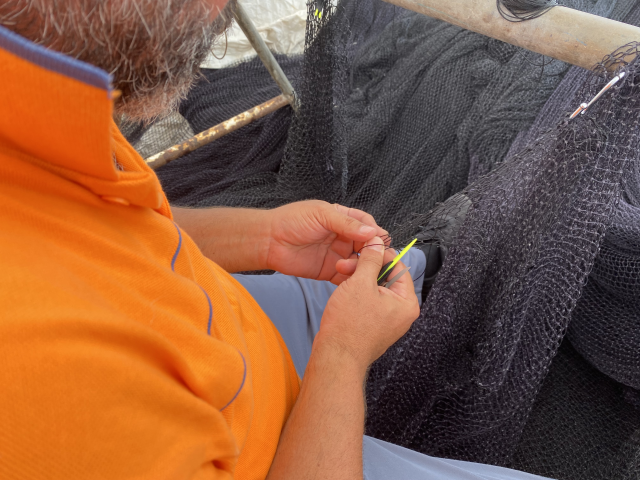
(569, 35)
(265, 55)
(216, 132)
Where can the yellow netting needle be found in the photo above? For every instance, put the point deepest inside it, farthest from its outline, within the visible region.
(397, 259)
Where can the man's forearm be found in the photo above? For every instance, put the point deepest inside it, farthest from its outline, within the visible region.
(323, 436)
(234, 238)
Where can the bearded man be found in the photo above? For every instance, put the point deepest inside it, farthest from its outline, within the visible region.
(128, 350)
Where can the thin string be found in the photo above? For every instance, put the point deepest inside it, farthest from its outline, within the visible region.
(386, 242)
(226, 46)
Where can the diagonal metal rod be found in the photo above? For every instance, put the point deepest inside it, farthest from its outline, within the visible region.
(217, 131)
(265, 55)
(562, 33)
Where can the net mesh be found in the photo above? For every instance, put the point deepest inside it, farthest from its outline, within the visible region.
(526, 351)
(503, 300)
(583, 425)
(399, 111)
(240, 168)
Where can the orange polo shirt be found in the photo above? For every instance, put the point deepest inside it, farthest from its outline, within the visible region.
(124, 352)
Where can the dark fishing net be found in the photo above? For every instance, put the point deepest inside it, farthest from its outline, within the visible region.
(584, 425)
(503, 301)
(612, 296)
(398, 112)
(264, 173)
(590, 428)
(591, 416)
(246, 160)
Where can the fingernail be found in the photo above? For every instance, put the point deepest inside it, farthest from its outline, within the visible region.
(366, 230)
(375, 244)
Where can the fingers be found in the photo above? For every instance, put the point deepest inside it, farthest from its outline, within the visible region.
(337, 279)
(404, 286)
(362, 217)
(346, 226)
(370, 261)
(347, 267)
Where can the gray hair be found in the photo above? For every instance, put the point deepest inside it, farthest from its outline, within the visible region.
(152, 48)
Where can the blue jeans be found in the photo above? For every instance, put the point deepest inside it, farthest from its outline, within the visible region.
(295, 306)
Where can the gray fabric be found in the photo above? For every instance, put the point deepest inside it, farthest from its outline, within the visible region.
(386, 461)
(295, 305)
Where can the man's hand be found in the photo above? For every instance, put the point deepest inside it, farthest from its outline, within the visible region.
(365, 319)
(307, 239)
(323, 437)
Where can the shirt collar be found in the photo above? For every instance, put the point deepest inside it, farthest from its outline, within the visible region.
(58, 112)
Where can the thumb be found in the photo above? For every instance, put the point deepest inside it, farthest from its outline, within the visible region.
(370, 261)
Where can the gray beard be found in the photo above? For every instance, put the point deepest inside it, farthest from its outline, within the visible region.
(152, 48)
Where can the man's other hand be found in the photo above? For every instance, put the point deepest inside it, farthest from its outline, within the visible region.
(307, 239)
(364, 319)
(323, 436)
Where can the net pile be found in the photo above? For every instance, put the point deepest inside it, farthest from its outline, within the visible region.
(585, 424)
(401, 112)
(246, 160)
(502, 303)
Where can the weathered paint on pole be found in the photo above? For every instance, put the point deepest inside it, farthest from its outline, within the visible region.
(562, 33)
(258, 44)
(216, 132)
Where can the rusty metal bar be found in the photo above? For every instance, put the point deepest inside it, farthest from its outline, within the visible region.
(562, 33)
(265, 55)
(216, 132)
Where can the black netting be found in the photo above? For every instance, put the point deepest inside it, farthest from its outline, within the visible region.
(534, 220)
(398, 112)
(243, 161)
(503, 300)
(612, 296)
(584, 425)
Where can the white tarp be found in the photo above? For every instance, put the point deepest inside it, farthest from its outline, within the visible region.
(280, 22)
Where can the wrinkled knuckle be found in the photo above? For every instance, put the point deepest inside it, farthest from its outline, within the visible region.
(352, 222)
(322, 214)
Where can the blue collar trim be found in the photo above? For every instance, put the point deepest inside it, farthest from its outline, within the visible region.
(54, 61)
